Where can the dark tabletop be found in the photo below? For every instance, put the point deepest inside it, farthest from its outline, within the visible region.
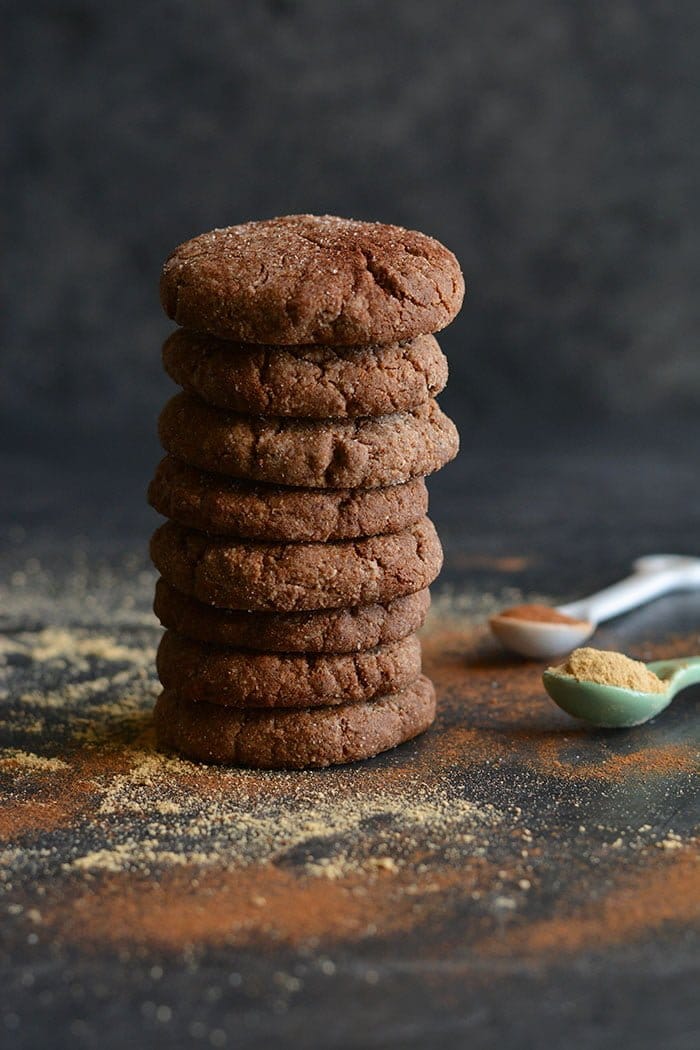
(510, 879)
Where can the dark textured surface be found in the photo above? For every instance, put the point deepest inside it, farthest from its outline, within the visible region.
(600, 951)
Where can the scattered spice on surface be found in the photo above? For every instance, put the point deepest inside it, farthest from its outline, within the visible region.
(14, 760)
(608, 668)
(663, 893)
(71, 647)
(462, 832)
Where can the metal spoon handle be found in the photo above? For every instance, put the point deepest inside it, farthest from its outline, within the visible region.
(654, 575)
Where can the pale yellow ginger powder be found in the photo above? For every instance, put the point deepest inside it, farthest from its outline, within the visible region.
(606, 668)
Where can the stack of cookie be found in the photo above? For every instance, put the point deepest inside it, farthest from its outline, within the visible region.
(296, 561)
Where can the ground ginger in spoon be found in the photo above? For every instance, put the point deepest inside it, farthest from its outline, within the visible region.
(608, 668)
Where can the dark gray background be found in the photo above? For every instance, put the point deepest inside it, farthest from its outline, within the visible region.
(552, 145)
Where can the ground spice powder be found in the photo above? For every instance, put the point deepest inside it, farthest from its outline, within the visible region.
(536, 613)
(607, 668)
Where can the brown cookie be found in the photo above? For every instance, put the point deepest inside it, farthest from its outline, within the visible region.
(318, 382)
(226, 507)
(351, 453)
(291, 577)
(293, 739)
(240, 678)
(312, 279)
(324, 631)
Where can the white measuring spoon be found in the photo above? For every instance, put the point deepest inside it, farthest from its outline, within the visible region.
(653, 576)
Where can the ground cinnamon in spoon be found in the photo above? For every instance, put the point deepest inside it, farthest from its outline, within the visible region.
(537, 614)
(605, 668)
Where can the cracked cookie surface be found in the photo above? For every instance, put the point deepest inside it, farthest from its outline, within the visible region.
(239, 678)
(293, 739)
(320, 631)
(290, 577)
(312, 279)
(226, 507)
(318, 382)
(352, 453)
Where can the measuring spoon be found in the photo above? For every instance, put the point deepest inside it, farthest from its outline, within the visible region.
(614, 707)
(653, 576)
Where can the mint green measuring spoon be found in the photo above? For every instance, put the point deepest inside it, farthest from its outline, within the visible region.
(613, 707)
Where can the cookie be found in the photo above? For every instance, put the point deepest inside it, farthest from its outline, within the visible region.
(318, 382)
(291, 577)
(226, 507)
(292, 739)
(240, 678)
(353, 453)
(312, 279)
(324, 631)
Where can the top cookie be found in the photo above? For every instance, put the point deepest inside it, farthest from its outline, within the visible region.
(312, 279)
